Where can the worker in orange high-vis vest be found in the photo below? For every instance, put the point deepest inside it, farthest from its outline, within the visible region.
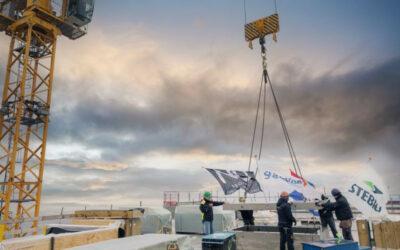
(206, 208)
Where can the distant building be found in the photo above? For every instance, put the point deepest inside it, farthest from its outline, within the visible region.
(393, 205)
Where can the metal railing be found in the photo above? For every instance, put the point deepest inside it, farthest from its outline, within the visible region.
(173, 198)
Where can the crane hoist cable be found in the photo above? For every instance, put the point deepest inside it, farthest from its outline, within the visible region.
(262, 87)
(285, 130)
(260, 29)
(256, 122)
(266, 80)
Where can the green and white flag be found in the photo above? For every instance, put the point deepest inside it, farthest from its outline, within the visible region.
(368, 193)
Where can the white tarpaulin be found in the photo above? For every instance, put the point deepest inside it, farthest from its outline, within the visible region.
(188, 219)
(155, 220)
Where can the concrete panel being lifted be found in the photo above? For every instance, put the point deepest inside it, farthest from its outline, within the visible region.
(267, 206)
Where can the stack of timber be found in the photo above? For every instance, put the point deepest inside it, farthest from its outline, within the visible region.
(61, 241)
(87, 227)
(387, 235)
(364, 233)
(131, 218)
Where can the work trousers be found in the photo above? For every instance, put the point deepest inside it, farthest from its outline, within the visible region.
(347, 234)
(325, 222)
(286, 234)
(208, 227)
(345, 225)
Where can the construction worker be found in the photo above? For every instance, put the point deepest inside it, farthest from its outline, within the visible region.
(343, 213)
(326, 215)
(285, 221)
(248, 217)
(206, 208)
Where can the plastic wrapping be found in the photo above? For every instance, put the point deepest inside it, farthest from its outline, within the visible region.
(188, 219)
(156, 220)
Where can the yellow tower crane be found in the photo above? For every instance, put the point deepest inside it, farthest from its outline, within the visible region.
(33, 26)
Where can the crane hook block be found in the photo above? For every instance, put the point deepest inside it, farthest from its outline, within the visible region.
(262, 27)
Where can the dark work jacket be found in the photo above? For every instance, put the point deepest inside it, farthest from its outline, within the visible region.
(341, 207)
(326, 211)
(207, 211)
(285, 216)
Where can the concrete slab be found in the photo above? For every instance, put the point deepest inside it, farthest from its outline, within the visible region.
(145, 242)
(268, 240)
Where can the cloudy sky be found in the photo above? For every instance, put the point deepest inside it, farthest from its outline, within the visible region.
(158, 90)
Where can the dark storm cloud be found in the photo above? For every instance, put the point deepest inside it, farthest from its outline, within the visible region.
(338, 112)
(180, 116)
(332, 117)
(347, 111)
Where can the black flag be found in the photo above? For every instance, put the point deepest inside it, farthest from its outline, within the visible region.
(233, 180)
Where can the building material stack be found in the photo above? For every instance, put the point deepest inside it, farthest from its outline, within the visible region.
(131, 218)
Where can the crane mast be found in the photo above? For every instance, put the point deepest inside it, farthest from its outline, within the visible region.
(33, 26)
